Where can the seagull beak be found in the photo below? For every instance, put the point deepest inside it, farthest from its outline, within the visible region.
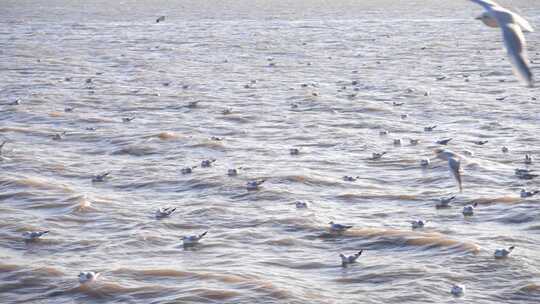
(478, 17)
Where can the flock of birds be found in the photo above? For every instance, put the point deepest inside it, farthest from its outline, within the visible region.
(512, 26)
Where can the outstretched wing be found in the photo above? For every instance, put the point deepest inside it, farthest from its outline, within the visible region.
(485, 3)
(515, 46)
(454, 166)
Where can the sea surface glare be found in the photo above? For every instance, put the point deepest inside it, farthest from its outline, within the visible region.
(242, 83)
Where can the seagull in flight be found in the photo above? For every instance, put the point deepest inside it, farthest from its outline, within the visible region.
(454, 164)
(512, 26)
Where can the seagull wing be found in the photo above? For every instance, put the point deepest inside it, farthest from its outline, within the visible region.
(524, 24)
(515, 46)
(485, 4)
(454, 166)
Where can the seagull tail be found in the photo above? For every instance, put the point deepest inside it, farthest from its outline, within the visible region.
(202, 234)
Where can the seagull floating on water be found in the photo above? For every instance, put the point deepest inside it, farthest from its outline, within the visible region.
(88, 276)
(528, 159)
(207, 163)
(383, 132)
(480, 142)
(301, 205)
(524, 193)
(444, 202)
(429, 128)
(59, 136)
(100, 177)
(525, 174)
(512, 26)
(413, 142)
(346, 260)
(160, 19)
(34, 235)
(338, 227)
(294, 151)
(254, 185)
(164, 212)
(504, 149)
(469, 209)
(503, 253)
(350, 178)
(397, 142)
(457, 290)
(232, 172)
(376, 155)
(424, 162)
(128, 119)
(187, 170)
(418, 224)
(193, 239)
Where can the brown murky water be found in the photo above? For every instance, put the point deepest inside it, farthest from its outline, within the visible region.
(286, 73)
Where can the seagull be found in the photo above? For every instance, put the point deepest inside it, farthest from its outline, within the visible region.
(160, 19)
(512, 26)
(187, 170)
(397, 142)
(100, 177)
(503, 253)
(424, 162)
(383, 132)
(414, 142)
(294, 151)
(164, 212)
(504, 149)
(469, 209)
(457, 290)
(429, 128)
(193, 239)
(375, 155)
(443, 141)
(525, 174)
(397, 104)
(254, 185)
(404, 116)
(88, 276)
(454, 164)
(301, 205)
(525, 194)
(528, 159)
(480, 142)
(232, 172)
(338, 227)
(207, 163)
(345, 260)
(34, 235)
(59, 136)
(418, 224)
(444, 202)
(350, 178)
(128, 119)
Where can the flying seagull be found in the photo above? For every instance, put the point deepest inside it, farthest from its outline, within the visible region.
(512, 26)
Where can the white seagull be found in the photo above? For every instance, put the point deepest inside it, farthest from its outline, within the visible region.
(338, 227)
(88, 276)
(454, 164)
(164, 212)
(444, 202)
(193, 239)
(503, 253)
(469, 209)
(345, 260)
(512, 26)
(418, 224)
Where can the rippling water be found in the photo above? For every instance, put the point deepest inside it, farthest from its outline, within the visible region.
(178, 77)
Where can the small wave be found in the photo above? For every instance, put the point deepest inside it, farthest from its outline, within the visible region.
(409, 238)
